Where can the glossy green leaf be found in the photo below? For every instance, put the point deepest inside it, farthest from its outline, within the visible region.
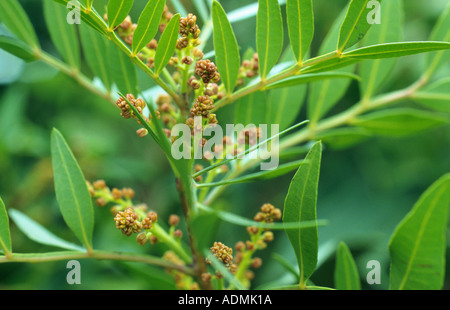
(284, 104)
(246, 12)
(341, 138)
(251, 109)
(441, 32)
(123, 71)
(16, 48)
(435, 96)
(399, 122)
(71, 190)
(346, 275)
(325, 95)
(167, 44)
(38, 233)
(300, 20)
(63, 35)
(148, 24)
(95, 47)
(355, 25)
(374, 72)
(5, 235)
(300, 206)
(269, 35)
(225, 44)
(117, 11)
(311, 77)
(259, 176)
(417, 247)
(14, 17)
(399, 49)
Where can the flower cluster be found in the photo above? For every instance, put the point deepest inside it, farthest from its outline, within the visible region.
(207, 71)
(125, 109)
(248, 69)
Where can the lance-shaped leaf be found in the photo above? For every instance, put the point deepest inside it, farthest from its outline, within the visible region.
(259, 176)
(441, 32)
(312, 77)
(167, 44)
(269, 35)
(117, 10)
(284, 104)
(355, 24)
(399, 122)
(251, 109)
(95, 47)
(417, 247)
(227, 51)
(300, 206)
(398, 49)
(346, 275)
(14, 17)
(374, 72)
(435, 96)
(325, 95)
(16, 48)
(5, 235)
(38, 233)
(148, 24)
(71, 190)
(300, 20)
(123, 71)
(63, 35)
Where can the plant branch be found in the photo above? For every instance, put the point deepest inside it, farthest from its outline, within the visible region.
(96, 254)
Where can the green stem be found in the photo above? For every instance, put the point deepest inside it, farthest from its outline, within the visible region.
(164, 237)
(95, 254)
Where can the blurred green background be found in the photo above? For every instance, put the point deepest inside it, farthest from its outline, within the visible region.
(363, 192)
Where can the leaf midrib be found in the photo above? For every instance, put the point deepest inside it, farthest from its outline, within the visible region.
(341, 48)
(148, 27)
(419, 237)
(77, 204)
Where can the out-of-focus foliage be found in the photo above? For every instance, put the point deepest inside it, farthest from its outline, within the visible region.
(364, 191)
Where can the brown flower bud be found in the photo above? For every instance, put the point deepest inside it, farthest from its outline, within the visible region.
(153, 216)
(257, 262)
(142, 238)
(142, 132)
(99, 184)
(174, 220)
(177, 233)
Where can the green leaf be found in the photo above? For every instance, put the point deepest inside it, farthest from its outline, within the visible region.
(341, 138)
(117, 11)
(63, 35)
(399, 49)
(441, 32)
(325, 95)
(300, 20)
(355, 24)
(311, 77)
(284, 104)
(38, 233)
(399, 122)
(269, 35)
(300, 206)
(14, 17)
(95, 47)
(122, 70)
(148, 24)
(417, 247)
(5, 235)
(246, 12)
(71, 190)
(346, 275)
(167, 44)
(435, 96)
(374, 72)
(251, 109)
(227, 51)
(242, 221)
(259, 176)
(286, 264)
(89, 3)
(16, 48)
